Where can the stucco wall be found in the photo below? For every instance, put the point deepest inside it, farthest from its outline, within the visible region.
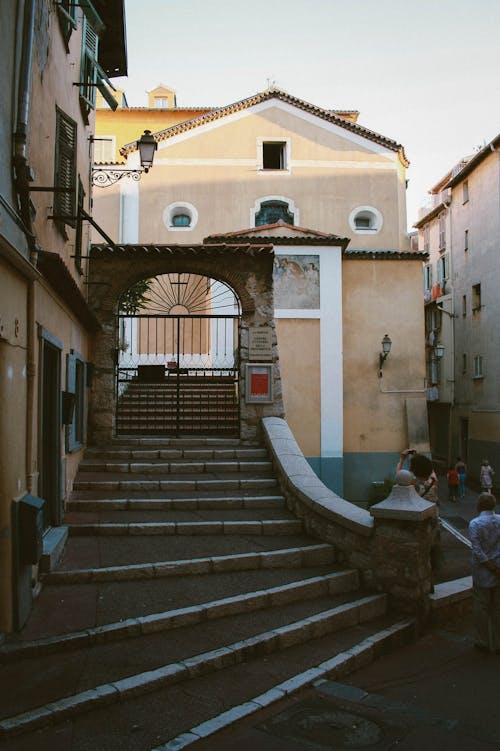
(216, 170)
(12, 424)
(299, 347)
(381, 296)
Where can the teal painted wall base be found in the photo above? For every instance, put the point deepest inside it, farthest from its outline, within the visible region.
(329, 471)
(351, 476)
(362, 469)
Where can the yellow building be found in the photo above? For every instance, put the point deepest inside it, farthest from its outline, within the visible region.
(56, 55)
(329, 195)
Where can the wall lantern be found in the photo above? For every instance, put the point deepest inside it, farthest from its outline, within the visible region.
(146, 145)
(386, 348)
(439, 351)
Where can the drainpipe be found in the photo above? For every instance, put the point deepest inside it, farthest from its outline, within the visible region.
(21, 182)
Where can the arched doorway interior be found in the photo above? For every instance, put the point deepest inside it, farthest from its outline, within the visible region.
(177, 364)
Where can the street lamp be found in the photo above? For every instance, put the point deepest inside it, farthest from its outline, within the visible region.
(386, 348)
(146, 146)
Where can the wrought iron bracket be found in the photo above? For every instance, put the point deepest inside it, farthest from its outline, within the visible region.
(102, 176)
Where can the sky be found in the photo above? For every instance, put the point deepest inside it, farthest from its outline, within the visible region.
(421, 72)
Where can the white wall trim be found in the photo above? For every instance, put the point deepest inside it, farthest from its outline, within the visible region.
(331, 347)
(295, 163)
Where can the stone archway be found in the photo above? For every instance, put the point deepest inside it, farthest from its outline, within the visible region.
(247, 269)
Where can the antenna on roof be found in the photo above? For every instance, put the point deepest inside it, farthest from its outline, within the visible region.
(271, 83)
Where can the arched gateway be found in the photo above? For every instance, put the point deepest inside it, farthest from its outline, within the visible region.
(181, 335)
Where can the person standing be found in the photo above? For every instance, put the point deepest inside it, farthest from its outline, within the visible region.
(453, 481)
(461, 468)
(484, 533)
(486, 474)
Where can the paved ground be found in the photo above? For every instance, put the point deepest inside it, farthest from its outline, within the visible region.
(437, 692)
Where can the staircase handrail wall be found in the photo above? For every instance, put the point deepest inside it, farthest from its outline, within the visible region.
(324, 514)
(390, 545)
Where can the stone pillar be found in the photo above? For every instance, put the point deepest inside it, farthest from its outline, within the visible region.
(405, 528)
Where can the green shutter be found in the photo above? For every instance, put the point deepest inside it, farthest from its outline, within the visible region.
(65, 168)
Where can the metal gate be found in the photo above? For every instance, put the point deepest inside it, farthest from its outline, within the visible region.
(177, 372)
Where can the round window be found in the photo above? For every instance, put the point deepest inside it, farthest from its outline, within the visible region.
(180, 216)
(365, 220)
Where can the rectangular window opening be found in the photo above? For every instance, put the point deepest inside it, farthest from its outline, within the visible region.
(274, 155)
(478, 366)
(476, 297)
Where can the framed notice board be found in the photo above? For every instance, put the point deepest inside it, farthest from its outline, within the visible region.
(259, 382)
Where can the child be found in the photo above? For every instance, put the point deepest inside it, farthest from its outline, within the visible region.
(453, 481)
(486, 475)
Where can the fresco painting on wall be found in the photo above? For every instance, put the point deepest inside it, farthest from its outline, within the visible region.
(296, 282)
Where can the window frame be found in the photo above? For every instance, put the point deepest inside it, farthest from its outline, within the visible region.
(428, 277)
(478, 367)
(427, 238)
(442, 231)
(465, 191)
(476, 298)
(374, 214)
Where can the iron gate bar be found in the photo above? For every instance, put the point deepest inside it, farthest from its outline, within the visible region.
(197, 393)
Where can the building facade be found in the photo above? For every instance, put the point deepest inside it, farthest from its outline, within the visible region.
(460, 230)
(56, 55)
(329, 195)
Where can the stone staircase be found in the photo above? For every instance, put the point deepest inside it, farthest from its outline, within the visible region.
(179, 405)
(188, 596)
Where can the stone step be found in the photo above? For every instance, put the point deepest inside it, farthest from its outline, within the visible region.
(331, 584)
(104, 682)
(206, 454)
(195, 503)
(245, 527)
(159, 466)
(268, 558)
(171, 484)
(63, 609)
(178, 442)
(172, 516)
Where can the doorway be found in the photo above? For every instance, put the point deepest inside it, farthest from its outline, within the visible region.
(50, 430)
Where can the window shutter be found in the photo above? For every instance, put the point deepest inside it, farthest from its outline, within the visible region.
(65, 168)
(88, 69)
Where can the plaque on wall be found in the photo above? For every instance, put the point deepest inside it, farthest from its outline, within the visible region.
(260, 343)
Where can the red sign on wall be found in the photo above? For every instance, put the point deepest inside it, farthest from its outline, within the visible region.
(259, 383)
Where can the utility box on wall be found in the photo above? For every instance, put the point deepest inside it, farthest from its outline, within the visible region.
(30, 528)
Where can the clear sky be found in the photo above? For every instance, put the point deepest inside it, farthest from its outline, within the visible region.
(423, 72)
